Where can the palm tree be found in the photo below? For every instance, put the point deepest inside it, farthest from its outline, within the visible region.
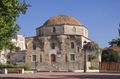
(89, 47)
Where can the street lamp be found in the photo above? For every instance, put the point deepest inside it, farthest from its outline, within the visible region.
(90, 46)
(85, 50)
(84, 60)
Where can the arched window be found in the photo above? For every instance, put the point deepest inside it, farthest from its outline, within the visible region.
(66, 59)
(72, 57)
(34, 57)
(74, 29)
(40, 58)
(53, 58)
(78, 49)
(54, 29)
(53, 45)
(72, 44)
(34, 46)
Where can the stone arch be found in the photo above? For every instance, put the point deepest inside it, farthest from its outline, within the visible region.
(53, 45)
(53, 58)
(74, 29)
(72, 45)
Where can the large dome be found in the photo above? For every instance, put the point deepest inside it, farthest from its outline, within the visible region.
(61, 20)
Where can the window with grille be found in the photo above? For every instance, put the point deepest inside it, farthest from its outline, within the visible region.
(34, 46)
(33, 57)
(40, 58)
(66, 59)
(78, 49)
(53, 45)
(72, 44)
(72, 56)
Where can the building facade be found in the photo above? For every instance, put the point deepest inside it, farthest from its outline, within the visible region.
(58, 45)
(19, 41)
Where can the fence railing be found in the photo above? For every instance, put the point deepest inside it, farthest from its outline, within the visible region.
(109, 67)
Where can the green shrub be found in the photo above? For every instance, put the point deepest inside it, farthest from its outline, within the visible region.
(92, 68)
(25, 67)
(13, 66)
(13, 71)
(7, 66)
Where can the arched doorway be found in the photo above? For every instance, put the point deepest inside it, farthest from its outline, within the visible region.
(53, 58)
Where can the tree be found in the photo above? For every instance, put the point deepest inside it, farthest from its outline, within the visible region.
(118, 42)
(9, 11)
(109, 55)
(90, 46)
(114, 42)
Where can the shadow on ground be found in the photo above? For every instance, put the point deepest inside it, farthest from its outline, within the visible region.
(26, 78)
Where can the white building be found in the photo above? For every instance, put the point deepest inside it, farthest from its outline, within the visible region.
(19, 41)
(3, 59)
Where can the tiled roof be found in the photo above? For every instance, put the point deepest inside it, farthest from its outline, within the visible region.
(61, 20)
(116, 48)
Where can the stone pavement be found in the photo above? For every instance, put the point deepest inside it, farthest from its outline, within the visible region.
(61, 75)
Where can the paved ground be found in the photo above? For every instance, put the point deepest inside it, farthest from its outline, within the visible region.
(62, 75)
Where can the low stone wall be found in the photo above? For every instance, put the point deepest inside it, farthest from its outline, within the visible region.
(27, 72)
(58, 66)
(14, 70)
(86, 71)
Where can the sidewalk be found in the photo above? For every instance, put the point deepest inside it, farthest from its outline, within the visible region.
(61, 75)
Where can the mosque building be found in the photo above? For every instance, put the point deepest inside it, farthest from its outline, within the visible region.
(58, 45)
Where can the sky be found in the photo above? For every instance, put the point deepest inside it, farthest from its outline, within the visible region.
(101, 17)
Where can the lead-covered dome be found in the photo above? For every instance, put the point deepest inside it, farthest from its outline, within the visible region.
(61, 20)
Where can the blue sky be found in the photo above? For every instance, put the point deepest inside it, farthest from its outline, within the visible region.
(101, 17)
